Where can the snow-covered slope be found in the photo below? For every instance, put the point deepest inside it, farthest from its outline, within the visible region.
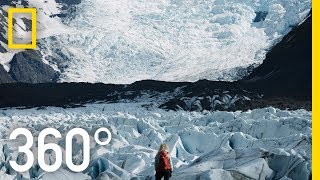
(259, 144)
(174, 40)
(48, 25)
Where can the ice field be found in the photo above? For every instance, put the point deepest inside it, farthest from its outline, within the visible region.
(257, 144)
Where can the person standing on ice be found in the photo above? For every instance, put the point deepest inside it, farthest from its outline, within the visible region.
(163, 163)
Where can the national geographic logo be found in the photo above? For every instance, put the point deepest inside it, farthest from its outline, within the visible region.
(33, 12)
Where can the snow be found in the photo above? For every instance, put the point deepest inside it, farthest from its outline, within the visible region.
(46, 27)
(256, 144)
(170, 40)
(6, 58)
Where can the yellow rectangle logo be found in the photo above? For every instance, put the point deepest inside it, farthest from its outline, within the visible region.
(33, 13)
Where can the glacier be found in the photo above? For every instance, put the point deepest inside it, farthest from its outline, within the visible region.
(261, 144)
(125, 41)
(171, 40)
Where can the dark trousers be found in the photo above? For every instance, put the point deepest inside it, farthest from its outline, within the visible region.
(166, 174)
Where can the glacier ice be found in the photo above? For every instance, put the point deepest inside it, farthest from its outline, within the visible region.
(122, 41)
(263, 143)
(173, 40)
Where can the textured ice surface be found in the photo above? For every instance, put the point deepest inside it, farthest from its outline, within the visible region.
(173, 40)
(122, 41)
(258, 144)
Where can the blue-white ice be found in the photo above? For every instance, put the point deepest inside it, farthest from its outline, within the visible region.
(122, 41)
(256, 144)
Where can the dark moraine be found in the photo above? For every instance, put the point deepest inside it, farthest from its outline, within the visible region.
(282, 81)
